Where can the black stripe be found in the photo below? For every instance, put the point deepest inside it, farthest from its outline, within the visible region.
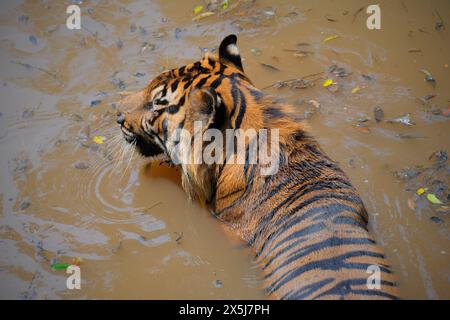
(344, 288)
(212, 63)
(284, 224)
(335, 263)
(181, 71)
(174, 85)
(302, 205)
(306, 250)
(164, 91)
(187, 84)
(242, 109)
(202, 81)
(235, 96)
(216, 83)
(308, 290)
(164, 129)
(307, 231)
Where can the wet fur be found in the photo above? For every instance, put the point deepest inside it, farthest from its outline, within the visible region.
(307, 224)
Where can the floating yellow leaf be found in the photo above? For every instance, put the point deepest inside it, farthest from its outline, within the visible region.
(327, 83)
(356, 89)
(420, 191)
(433, 199)
(76, 261)
(198, 8)
(99, 139)
(330, 38)
(203, 15)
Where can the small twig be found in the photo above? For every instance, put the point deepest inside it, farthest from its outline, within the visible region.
(355, 15)
(47, 72)
(287, 82)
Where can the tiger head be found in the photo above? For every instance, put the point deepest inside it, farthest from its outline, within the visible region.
(177, 98)
(214, 92)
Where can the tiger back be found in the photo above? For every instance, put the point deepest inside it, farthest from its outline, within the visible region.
(306, 222)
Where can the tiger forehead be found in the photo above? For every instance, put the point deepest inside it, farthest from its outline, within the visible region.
(191, 74)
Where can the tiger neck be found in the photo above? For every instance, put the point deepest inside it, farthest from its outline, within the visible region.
(237, 186)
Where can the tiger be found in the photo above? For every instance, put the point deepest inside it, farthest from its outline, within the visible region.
(305, 223)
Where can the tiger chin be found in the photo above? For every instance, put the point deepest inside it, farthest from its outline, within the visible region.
(306, 223)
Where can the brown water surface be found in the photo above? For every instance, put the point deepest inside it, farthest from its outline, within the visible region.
(63, 196)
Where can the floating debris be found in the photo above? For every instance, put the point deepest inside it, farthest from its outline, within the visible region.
(327, 16)
(405, 119)
(99, 139)
(60, 266)
(119, 44)
(408, 173)
(270, 67)
(357, 12)
(119, 83)
(218, 283)
(225, 4)
(439, 156)
(255, 51)
(436, 219)
(28, 114)
(33, 40)
(269, 13)
(94, 103)
(356, 89)
(338, 71)
(367, 77)
(409, 136)
(81, 165)
(327, 83)
(362, 127)
(25, 205)
(421, 191)
(427, 98)
(428, 77)
(179, 237)
(147, 46)
(433, 199)
(198, 9)
(203, 15)
(330, 38)
(178, 33)
(439, 24)
(77, 261)
(411, 203)
(378, 114)
(23, 19)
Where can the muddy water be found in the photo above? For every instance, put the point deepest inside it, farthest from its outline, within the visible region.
(63, 196)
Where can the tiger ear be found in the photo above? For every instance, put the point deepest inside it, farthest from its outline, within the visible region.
(203, 106)
(229, 52)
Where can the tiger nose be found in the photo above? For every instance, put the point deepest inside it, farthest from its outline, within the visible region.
(120, 118)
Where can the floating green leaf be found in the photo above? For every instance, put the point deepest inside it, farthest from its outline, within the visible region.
(225, 4)
(433, 199)
(60, 266)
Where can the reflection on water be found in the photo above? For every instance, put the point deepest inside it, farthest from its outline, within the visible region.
(63, 196)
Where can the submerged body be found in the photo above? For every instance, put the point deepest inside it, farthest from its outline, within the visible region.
(306, 222)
